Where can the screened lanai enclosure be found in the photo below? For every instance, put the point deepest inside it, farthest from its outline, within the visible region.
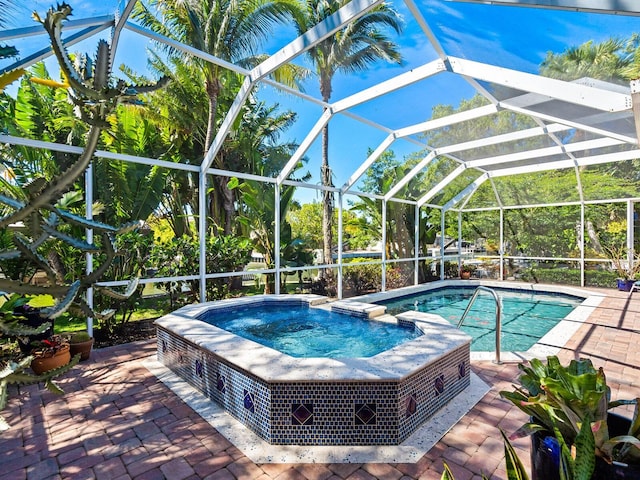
(500, 135)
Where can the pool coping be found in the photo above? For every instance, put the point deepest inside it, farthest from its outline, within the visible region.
(549, 344)
(395, 364)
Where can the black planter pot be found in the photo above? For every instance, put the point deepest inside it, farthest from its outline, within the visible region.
(544, 456)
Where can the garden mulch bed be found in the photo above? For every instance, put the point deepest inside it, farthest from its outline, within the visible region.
(129, 332)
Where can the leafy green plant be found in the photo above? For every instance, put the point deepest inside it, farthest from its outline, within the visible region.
(95, 96)
(362, 278)
(180, 257)
(627, 268)
(466, 267)
(133, 253)
(572, 403)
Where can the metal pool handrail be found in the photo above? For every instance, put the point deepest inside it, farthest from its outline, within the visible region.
(498, 300)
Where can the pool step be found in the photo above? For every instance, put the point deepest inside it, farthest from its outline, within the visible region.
(360, 309)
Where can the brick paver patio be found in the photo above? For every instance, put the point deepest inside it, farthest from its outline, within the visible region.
(117, 421)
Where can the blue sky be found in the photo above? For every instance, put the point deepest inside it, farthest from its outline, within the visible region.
(512, 37)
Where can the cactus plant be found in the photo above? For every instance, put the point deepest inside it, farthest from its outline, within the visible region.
(95, 96)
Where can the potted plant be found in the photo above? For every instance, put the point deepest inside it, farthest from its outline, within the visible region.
(574, 435)
(466, 271)
(627, 265)
(49, 354)
(81, 343)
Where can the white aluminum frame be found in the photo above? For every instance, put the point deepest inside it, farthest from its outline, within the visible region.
(612, 103)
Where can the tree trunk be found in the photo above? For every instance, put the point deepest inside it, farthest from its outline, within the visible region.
(228, 203)
(224, 206)
(327, 199)
(593, 236)
(213, 90)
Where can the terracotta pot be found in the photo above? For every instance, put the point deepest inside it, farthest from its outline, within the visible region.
(82, 348)
(465, 275)
(41, 365)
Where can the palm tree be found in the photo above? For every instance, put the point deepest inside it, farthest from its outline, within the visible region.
(231, 30)
(258, 140)
(605, 61)
(353, 49)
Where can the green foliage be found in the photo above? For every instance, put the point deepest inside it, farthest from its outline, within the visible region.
(233, 31)
(608, 60)
(572, 402)
(568, 276)
(361, 277)
(180, 257)
(79, 337)
(619, 256)
(515, 468)
(559, 276)
(133, 253)
(306, 224)
(40, 193)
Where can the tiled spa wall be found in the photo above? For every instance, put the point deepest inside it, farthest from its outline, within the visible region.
(320, 413)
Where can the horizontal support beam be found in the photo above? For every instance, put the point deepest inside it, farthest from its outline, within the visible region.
(550, 88)
(40, 55)
(68, 25)
(611, 7)
(60, 147)
(391, 85)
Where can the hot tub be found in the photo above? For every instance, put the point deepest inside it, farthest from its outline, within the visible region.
(379, 400)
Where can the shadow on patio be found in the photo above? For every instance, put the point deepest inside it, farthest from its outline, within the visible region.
(117, 421)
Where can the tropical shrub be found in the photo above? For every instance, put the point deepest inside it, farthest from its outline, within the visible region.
(180, 257)
(130, 261)
(362, 278)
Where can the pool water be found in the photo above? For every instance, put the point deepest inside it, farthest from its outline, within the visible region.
(300, 331)
(526, 316)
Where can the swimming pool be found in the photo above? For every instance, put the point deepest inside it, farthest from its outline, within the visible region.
(527, 316)
(549, 344)
(304, 332)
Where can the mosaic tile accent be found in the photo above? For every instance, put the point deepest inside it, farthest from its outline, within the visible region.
(164, 346)
(334, 413)
(365, 414)
(199, 368)
(220, 383)
(302, 414)
(421, 385)
(438, 384)
(403, 322)
(249, 401)
(412, 406)
(462, 369)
